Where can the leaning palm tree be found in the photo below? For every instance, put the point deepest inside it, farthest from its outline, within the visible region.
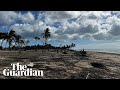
(11, 37)
(3, 37)
(9, 40)
(46, 35)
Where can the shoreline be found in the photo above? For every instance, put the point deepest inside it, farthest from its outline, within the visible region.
(112, 53)
(103, 52)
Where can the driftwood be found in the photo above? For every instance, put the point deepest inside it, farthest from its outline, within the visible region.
(87, 75)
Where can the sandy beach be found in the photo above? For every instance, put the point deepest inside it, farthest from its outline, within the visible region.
(58, 65)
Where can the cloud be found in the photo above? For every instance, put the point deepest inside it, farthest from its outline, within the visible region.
(11, 17)
(102, 36)
(25, 30)
(31, 30)
(115, 30)
(26, 18)
(60, 16)
(88, 29)
(64, 25)
(7, 17)
(87, 37)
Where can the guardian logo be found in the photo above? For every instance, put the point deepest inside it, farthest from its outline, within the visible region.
(21, 70)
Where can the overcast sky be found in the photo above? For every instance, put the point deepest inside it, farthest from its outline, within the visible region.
(87, 29)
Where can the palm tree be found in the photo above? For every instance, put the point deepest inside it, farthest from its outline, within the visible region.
(46, 35)
(22, 42)
(72, 45)
(17, 38)
(36, 38)
(9, 40)
(10, 37)
(2, 37)
(12, 33)
(27, 42)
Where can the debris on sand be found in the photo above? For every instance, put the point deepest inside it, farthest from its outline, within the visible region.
(66, 64)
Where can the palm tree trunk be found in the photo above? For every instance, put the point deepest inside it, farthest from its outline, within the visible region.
(2, 43)
(36, 42)
(9, 45)
(45, 41)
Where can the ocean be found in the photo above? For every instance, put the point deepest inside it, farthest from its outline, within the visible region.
(116, 51)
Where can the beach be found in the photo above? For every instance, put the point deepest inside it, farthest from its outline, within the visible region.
(64, 64)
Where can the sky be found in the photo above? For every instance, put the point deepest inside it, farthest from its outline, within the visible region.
(87, 29)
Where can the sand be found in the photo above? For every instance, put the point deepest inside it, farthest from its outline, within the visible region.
(57, 65)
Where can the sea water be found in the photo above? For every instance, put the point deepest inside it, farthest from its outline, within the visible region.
(117, 51)
(107, 50)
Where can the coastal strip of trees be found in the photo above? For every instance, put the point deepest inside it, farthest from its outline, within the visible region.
(16, 41)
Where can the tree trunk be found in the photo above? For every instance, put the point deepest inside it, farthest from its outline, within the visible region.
(9, 45)
(45, 41)
(2, 43)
